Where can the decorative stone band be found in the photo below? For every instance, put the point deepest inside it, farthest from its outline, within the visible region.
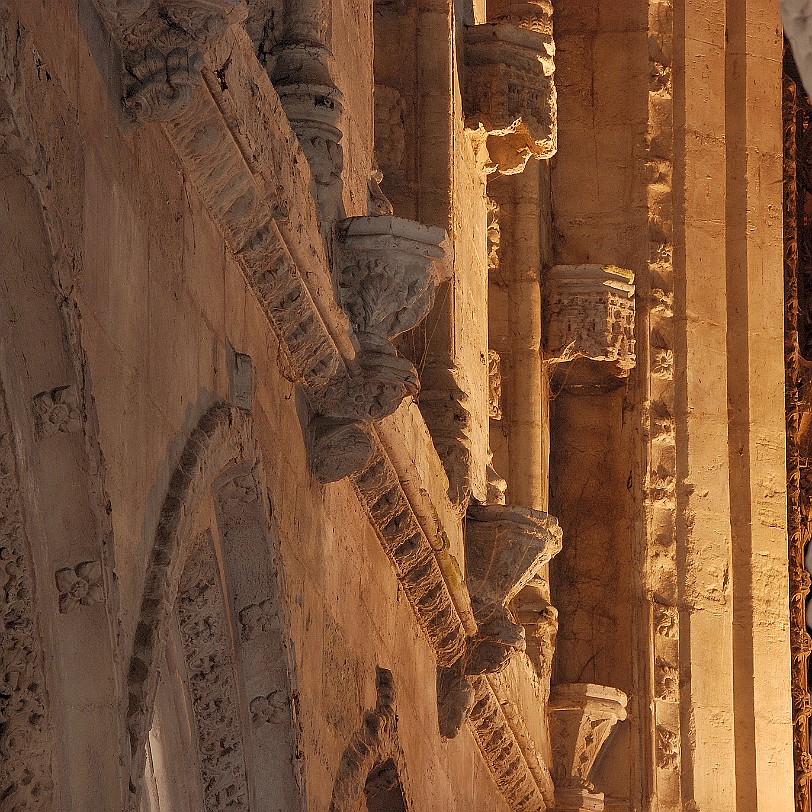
(411, 553)
(589, 313)
(582, 716)
(523, 779)
(504, 548)
(509, 95)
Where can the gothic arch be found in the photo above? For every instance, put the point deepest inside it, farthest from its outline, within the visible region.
(372, 765)
(209, 585)
(57, 599)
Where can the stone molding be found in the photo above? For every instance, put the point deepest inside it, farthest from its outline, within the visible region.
(221, 456)
(798, 404)
(402, 537)
(519, 772)
(655, 315)
(504, 548)
(207, 646)
(589, 313)
(375, 743)
(25, 758)
(582, 717)
(509, 95)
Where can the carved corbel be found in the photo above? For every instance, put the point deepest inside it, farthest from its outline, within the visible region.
(338, 447)
(582, 716)
(589, 314)
(164, 44)
(504, 548)
(388, 270)
(509, 95)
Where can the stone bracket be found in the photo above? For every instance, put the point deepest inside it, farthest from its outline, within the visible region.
(589, 313)
(504, 548)
(509, 95)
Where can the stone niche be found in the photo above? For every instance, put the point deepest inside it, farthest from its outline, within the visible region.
(589, 314)
(509, 95)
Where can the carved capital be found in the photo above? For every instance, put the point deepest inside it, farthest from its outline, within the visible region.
(504, 548)
(589, 313)
(388, 272)
(582, 716)
(164, 52)
(338, 448)
(509, 94)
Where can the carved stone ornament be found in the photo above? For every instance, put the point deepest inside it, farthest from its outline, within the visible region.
(56, 411)
(375, 744)
(164, 52)
(504, 548)
(81, 585)
(509, 96)
(338, 448)
(444, 404)
(455, 698)
(582, 716)
(494, 386)
(589, 313)
(389, 269)
(302, 75)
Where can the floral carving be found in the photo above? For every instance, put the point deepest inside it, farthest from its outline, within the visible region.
(667, 748)
(57, 411)
(271, 709)
(81, 585)
(258, 618)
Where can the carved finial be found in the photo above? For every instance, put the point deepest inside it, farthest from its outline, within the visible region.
(164, 52)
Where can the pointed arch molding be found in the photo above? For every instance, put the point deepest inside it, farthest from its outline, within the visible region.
(221, 458)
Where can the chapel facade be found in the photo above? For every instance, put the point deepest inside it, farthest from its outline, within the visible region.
(399, 408)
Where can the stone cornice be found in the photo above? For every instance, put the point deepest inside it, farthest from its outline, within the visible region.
(238, 149)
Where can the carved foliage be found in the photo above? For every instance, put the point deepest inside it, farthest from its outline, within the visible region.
(164, 52)
(212, 684)
(25, 768)
(389, 270)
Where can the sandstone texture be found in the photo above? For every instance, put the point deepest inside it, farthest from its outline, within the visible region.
(392, 407)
